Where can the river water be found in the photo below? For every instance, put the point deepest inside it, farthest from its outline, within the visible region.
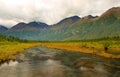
(46, 62)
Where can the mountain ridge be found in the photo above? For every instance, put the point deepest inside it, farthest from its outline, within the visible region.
(114, 11)
(88, 27)
(29, 26)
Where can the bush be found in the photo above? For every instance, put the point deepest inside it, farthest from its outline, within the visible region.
(106, 46)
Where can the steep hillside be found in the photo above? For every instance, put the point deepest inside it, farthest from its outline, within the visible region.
(107, 25)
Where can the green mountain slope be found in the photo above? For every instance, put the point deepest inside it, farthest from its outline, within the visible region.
(107, 25)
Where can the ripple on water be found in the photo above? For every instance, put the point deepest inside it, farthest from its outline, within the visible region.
(39, 62)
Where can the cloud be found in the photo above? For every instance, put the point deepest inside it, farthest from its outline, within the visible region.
(50, 11)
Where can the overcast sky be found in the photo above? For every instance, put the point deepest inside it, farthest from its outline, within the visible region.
(50, 11)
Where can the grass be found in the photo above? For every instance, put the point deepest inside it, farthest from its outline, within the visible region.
(9, 50)
(94, 48)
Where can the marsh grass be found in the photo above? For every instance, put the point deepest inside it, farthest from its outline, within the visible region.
(101, 48)
(9, 50)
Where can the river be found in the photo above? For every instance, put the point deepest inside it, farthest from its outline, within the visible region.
(47, 62)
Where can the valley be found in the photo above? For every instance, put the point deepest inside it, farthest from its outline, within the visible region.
(76, 46)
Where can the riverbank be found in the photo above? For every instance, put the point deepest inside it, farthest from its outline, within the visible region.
(48, 62)
(9, 50)
(86, 47)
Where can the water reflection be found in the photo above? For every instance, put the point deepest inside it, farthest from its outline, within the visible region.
(44, 62)
(48, 68)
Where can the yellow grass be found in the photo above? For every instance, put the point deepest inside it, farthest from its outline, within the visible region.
(77, 47)
(8, 50)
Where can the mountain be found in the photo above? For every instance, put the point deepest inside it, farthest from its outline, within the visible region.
(2, 28)
(89, 17)
(113, 12)
(39, 25)
(38, 30)
(106, 25)
(68, 21)
(18, 26)
(29, 26)
(72, 28)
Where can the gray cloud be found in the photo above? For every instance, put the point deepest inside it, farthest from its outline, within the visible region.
(50, 11)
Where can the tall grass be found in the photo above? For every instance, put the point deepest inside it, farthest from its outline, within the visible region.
(9, 50)
(10, 47)
(101, 48)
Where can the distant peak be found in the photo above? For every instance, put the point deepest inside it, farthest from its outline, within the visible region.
(35, 23)
(115, 11)
(115, 8)
(3, 28)
(89, 17)
(75, 17)
(21, 23)
(67, 21)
